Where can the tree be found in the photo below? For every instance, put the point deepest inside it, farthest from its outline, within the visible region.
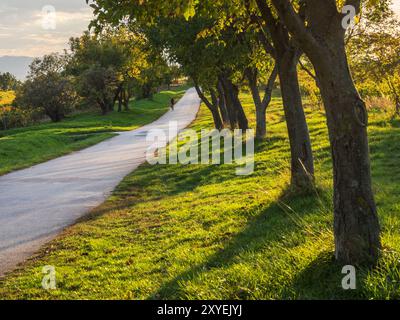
(313, 27)
(206, 61)
(374, 50)
(317, 26)
(47, 88)
(97, 63)
(8, 82)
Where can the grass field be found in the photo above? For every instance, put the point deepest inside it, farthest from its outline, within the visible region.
(201, 232)
(24, 147)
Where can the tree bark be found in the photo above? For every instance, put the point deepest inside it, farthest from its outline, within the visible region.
(104, 108)
(261, 105)
(120, 97)
(127, 99)
(213, 107)
(222, 104)
(233, 96)
(229, 103)
(287, 56)
(117, 93)
(261, 125)
(356, 225)
(302, 161)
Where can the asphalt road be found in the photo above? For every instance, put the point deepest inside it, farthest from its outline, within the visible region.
(37, 203)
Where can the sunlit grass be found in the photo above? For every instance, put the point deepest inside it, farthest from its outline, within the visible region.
(201, 232)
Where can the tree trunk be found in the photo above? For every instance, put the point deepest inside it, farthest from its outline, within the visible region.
(117, 93)
(216, 114)
(356, 224)
(127, 99)
(217, 119)
(103, 107)
(237, 109)
(120, 101)
(241, 116)
(222, 104)
(287, 57)
(261, 125)
(302, 162)
(213, 107)
(55, 116)
(233, 121)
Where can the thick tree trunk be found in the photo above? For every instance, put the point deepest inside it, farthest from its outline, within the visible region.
(232, 96)
(287, 56)
(356, 225)
(229, 103)
(302, 161)
(241, 116)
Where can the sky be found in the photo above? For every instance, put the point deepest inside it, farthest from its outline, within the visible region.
(27, 28)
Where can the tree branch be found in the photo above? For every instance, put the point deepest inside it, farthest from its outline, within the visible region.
(307, 70)
(204, 98)
(294, 23)
(270, 87)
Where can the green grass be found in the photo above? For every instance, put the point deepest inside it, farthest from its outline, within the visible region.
(24, 147)
(201, 232)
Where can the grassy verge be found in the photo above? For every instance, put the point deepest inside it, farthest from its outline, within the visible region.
(201, 232)
(24, 147)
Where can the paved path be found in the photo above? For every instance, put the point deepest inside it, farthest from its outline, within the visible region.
(37, 203)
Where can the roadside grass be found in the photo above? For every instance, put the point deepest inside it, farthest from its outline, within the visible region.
(24, 147)
(201, 232)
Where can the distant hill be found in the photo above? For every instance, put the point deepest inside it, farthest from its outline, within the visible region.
(18, 66)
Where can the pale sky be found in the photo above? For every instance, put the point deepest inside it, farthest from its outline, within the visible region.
(26, 26)
(23, 25)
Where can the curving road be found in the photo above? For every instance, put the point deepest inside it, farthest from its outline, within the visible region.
(37, 203)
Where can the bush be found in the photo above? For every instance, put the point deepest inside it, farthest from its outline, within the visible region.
(52, 95)
(12, 117)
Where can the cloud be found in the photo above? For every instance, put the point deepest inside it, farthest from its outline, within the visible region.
(21, 25)
(396, 7)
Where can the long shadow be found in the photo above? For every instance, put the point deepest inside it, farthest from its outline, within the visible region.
(259, 231)
(177, 179)
(322, 277)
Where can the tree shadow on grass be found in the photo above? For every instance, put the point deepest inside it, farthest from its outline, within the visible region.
(322, 280)
(271, 225)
